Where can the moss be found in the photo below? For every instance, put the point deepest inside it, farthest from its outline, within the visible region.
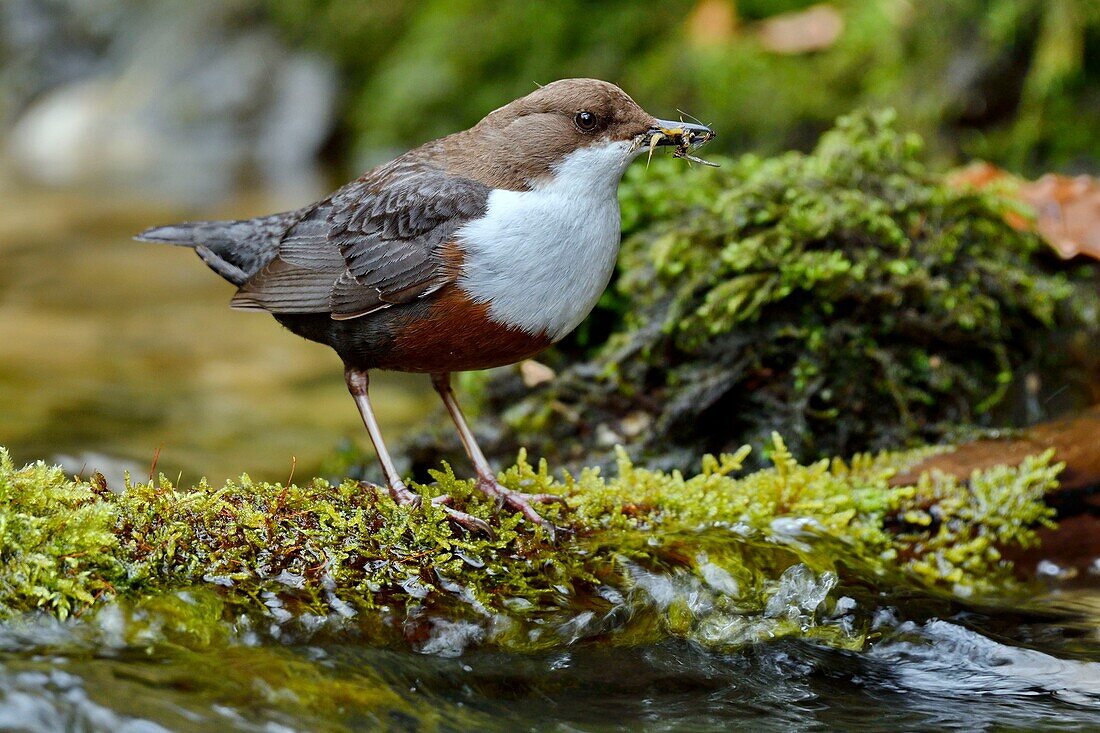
(848, 298)
(57, 548)
(713, 557)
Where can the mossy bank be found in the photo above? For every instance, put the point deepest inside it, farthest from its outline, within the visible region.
(719, 557)
(849, 298)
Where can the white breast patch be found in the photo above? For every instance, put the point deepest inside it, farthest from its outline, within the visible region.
(542, 258)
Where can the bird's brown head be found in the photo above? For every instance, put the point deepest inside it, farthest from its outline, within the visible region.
(528, 140)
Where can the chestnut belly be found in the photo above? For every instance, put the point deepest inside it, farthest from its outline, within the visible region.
(442, 333)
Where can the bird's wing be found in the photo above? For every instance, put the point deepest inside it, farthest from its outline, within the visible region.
(376, 242)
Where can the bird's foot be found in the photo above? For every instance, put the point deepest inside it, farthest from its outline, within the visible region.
(521, 502)
(403, 496)
(467, 521)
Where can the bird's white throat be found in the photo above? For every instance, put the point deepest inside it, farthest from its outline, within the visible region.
(542, 258)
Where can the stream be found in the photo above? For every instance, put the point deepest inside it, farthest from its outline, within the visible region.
(1037, 670)
(114, 351)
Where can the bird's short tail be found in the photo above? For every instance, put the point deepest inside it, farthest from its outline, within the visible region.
(236, 250)
(181, 234)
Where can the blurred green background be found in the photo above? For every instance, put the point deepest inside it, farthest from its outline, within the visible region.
(119, 114)
(1014, 81)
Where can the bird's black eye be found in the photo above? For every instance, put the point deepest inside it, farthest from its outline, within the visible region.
(585, 121)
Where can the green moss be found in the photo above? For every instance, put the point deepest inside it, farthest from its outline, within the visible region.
(713, 557)
(57, 548)
(848, 298)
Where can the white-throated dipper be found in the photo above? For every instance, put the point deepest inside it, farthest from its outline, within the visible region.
(473, 251)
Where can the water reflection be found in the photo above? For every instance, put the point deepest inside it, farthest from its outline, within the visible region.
(111, 349)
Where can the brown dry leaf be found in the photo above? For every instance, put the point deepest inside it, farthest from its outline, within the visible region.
(635, 423)
(814, 29)
(1067, 209)
(712, 22)
(1074, 440)
(978, 174)
(982, 175)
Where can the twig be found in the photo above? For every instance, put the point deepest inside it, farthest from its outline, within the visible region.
(156, 458)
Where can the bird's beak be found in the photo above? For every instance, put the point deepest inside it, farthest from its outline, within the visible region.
(681, 134)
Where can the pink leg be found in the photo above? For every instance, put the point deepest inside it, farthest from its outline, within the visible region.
(358, 382)
(486, 479)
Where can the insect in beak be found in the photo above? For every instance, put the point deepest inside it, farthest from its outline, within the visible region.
(685, 136)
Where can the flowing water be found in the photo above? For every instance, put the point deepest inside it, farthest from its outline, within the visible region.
(111, 350)
(967, 671)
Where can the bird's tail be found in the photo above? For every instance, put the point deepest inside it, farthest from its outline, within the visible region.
(236, 250)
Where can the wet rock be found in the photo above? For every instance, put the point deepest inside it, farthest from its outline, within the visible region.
(183, 99)
(1074, 545)
(1075, 441)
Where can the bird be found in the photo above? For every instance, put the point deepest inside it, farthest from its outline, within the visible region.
(476, 250)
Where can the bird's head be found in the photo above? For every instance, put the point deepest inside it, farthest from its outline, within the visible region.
(582, 127)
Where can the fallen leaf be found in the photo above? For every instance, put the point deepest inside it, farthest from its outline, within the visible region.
(635, 423)
(979, 174)
(1075, 543)
(1074, 440)
(712, 22)
(814, 29)
(1067, 209)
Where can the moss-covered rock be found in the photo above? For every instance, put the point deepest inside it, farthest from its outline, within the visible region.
(848, 298)
(720, 559)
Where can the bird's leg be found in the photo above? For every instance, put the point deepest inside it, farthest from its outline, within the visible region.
(486, 480)
(357, 384)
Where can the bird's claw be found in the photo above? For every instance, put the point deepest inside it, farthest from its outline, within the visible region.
(522, 502)
(516, 500)
(405, 497)
(468, 521)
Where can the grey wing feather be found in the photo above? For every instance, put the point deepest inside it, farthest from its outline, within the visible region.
(374, 243)
(286, 288)
(306, 244)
